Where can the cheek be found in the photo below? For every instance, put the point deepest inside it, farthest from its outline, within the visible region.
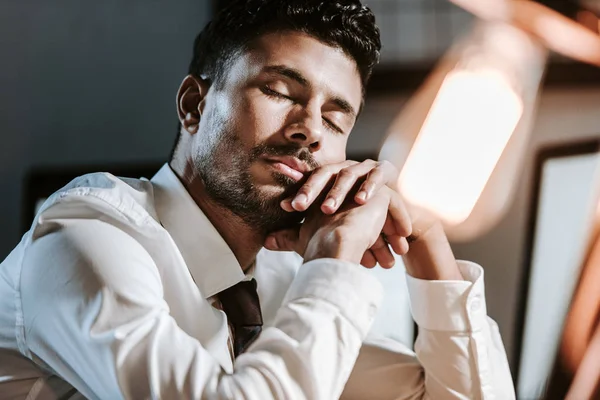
(333, 150)
(219, 135)
(260, 118)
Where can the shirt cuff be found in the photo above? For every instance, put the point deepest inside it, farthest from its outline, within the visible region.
(346, 285)
(450, 305)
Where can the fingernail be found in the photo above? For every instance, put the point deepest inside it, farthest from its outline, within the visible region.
(362, 195)
(330, 202)
(301, 198)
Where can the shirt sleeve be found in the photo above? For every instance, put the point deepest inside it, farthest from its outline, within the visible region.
(95, 315)
(459, 353)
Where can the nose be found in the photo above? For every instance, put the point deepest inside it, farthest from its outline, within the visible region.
(306, 129)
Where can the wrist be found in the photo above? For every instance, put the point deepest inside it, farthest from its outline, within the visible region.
(430, 256)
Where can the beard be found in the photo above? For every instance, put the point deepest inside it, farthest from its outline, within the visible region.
(225, 171)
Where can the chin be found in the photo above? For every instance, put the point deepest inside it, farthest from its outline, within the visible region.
(267, 214)
(277, 185)
(273, 192)
(286, 186)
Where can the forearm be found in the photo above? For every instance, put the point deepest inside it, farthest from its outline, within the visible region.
(459, 352)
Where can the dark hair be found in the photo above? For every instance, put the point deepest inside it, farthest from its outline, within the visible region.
(345, 24)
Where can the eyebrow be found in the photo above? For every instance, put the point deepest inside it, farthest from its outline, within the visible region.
(297, 76)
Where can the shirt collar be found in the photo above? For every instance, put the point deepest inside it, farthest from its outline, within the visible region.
(209, 259)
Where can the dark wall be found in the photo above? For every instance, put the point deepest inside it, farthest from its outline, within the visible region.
(87, 82)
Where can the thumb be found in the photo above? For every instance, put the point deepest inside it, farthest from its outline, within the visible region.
(284, 240)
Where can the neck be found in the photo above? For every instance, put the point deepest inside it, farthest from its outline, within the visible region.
(243, 240)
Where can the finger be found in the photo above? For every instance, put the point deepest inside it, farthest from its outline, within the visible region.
(389, 228)
(400, 215)
(384, 174)
(382, 253)
(384, 257)
(345, 181)
(287, 205)
(368, 260)
(314, 185)
(399, 244)
(284, 240)
(404, 245)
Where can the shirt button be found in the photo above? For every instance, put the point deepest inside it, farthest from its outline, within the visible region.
(475, 305)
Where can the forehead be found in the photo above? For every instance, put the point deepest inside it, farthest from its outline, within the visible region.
(326, 67)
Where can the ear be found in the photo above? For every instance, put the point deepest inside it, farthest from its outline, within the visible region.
(190, 102)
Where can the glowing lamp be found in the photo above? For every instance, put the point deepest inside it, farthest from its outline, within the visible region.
(460, 139)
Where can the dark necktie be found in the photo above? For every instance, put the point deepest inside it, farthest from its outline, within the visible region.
(240, 303)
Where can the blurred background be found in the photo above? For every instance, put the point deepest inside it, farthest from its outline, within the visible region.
(88, 85)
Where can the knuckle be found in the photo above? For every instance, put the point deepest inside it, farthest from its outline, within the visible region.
(383, 167)
(317, 171)
(385, 164)
(390, 168)
(375, 174)
(334, 191)
(347, 173)
(306, 189)
(378, 245)
(342, 233)
(327, 170)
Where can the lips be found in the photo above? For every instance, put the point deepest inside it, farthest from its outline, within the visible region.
(289, 166)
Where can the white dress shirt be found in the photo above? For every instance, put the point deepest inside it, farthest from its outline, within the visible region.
(108, 296)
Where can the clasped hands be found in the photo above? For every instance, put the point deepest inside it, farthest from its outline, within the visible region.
(352, 214)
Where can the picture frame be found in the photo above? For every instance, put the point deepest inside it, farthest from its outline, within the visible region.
(560, 223)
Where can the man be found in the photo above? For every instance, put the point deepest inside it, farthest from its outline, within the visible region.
(147, 289)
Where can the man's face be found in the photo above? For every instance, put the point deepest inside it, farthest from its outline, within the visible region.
(285, 107)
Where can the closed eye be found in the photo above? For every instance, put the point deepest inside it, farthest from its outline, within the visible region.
(280, 96)
(272, 93)
(333, 126)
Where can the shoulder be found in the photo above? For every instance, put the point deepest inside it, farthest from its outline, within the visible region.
(90, 229)
(81, 270)
(86, 250)
(100, 196)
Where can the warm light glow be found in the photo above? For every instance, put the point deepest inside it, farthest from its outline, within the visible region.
(468, 126)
